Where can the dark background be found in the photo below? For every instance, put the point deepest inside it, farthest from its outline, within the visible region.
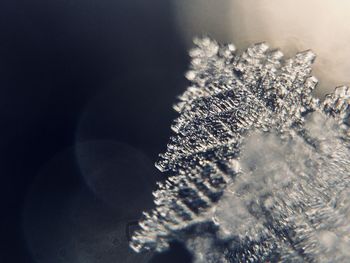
(85, 107)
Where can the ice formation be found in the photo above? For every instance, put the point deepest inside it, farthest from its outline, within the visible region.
(259, 169)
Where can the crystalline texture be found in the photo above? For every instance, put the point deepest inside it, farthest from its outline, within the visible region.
(258, 168)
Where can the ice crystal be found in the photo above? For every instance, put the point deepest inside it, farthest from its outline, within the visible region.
(259, 169)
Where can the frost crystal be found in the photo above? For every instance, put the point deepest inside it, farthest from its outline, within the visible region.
(259, 168)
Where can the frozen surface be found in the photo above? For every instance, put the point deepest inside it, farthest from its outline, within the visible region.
(258, 168)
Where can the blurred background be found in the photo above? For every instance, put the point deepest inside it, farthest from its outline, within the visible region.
(87, 88)
(85, 108)
(290, 25)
